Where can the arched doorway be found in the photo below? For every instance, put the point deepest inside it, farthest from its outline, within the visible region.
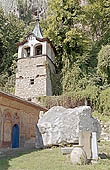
(15, 136)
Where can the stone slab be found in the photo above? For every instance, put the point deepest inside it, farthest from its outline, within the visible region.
(85, 140)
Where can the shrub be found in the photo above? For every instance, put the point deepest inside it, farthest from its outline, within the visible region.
(103, 67)
(105, 101)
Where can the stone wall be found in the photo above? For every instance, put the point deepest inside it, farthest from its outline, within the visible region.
(31, 68)
(35, 68)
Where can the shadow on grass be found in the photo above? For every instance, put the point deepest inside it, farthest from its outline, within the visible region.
(4, 160)
(104, 156)
(4, 163)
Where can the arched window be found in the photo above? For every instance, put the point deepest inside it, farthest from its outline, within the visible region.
(38, 50)
(26, 52)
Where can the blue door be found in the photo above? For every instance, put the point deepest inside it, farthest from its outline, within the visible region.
(15, 136)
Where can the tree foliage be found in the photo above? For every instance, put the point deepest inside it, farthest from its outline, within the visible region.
(96, 18)
(104, 106)
(11, 30)
(78, 33)
(103, 67)
(63, 27)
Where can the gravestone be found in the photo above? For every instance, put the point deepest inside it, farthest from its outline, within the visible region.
(85, 140)
(78, 155)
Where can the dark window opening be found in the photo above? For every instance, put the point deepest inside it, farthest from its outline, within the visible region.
(20, 77)
(38, 50)
(31, 81)
(37, 76)
(29, 99)
(27, 51)
(40, 65)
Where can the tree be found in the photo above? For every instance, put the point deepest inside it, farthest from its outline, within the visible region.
(103, 67)
(96, 20)
(11, 30)
(63, 27)
(10, 33)
(105, 101)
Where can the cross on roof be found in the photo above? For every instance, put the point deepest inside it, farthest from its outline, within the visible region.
(37, 29)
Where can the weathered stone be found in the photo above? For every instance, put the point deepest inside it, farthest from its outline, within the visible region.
(85, 140)
(13, 6)
(62, 126)
(39, 144)
(78, 156)
(66, 150)
(94, 146)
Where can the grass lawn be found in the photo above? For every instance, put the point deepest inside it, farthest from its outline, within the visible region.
(50, 159)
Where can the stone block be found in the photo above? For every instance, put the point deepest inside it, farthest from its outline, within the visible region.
(66, 150)
(85, 140)
(62, 126)
(78, 155)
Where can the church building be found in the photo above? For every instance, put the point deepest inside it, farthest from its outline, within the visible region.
(35, 65)
(18, 118)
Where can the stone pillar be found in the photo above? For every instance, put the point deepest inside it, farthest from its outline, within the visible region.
(20, 52)
(85, 140)
(32, 51)
(94, 146)
(44, 48)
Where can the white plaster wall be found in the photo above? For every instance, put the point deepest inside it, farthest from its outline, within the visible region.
(32, 42)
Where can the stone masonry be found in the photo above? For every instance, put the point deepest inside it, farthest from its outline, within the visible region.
(34, 68)
(36, 63)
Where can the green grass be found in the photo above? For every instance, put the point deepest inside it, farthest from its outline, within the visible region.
(49, 159)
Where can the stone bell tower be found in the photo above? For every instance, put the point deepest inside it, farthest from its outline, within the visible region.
(35, 65)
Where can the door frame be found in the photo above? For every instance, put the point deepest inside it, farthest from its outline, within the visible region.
(17, 134)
